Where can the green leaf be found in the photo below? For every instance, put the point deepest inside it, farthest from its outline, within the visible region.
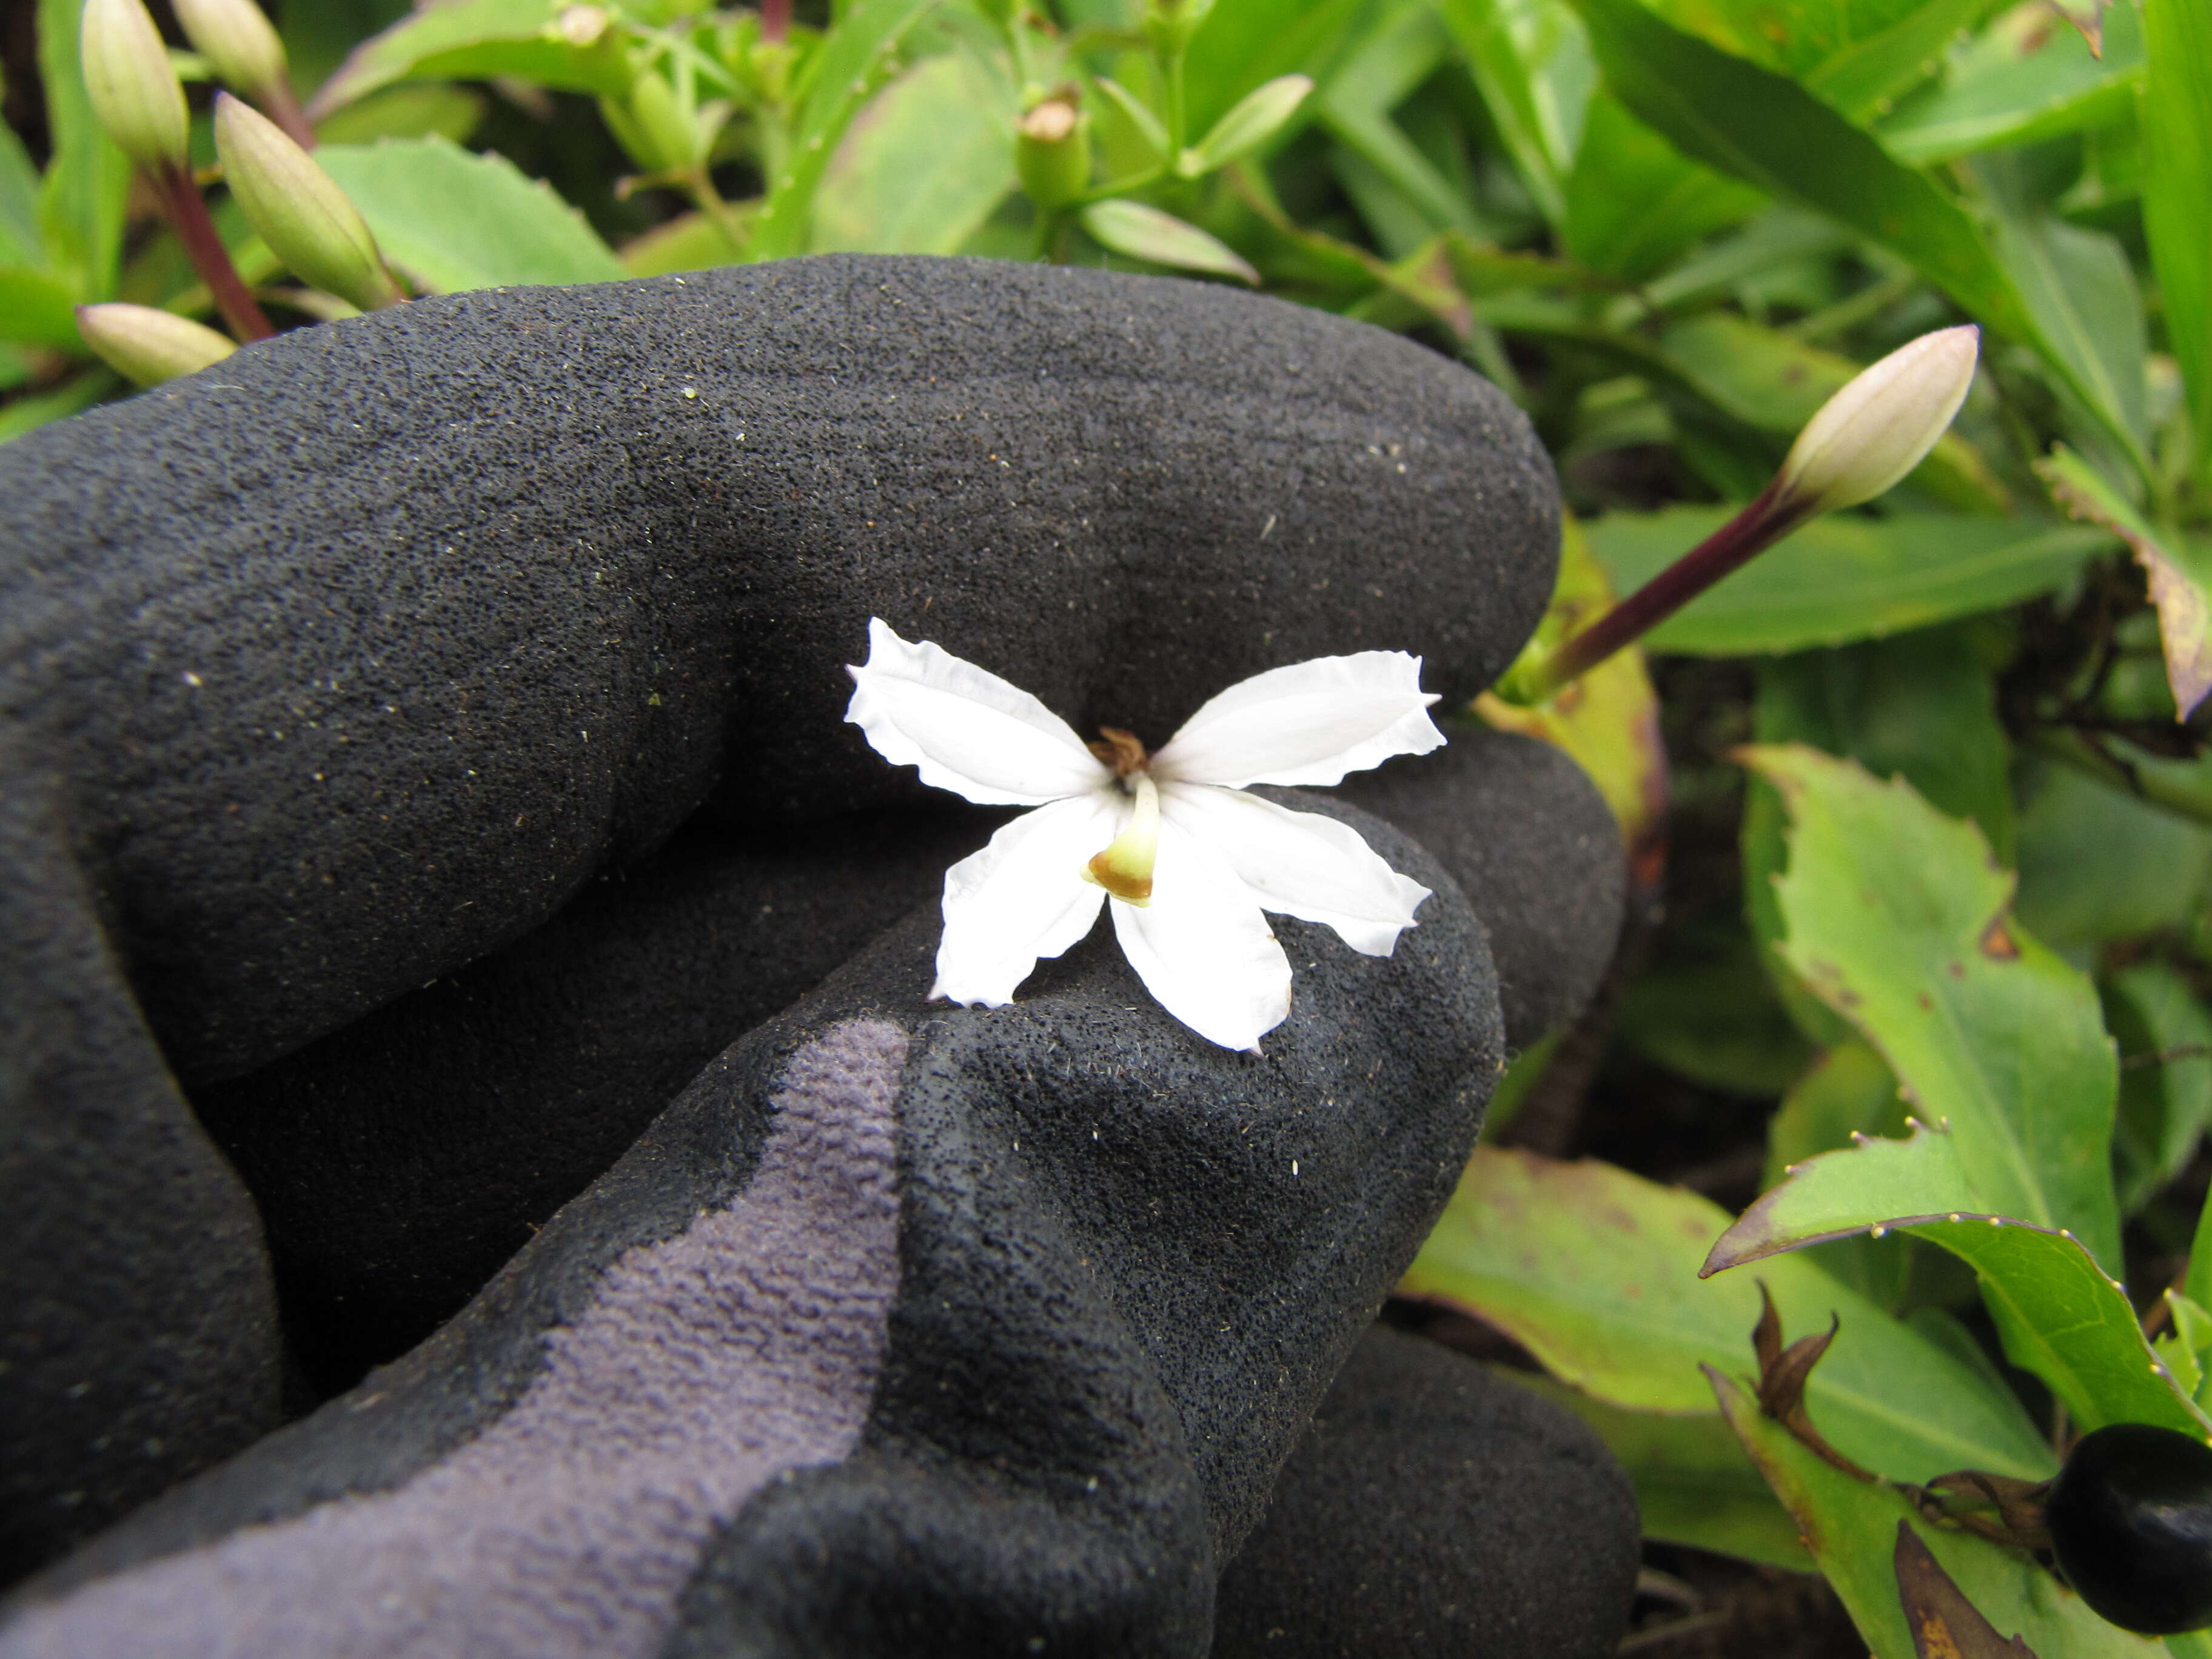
(1866, 76)
(1841, 578)
(1594, 1271)
(2097, 863)
(474, 39)
(1768, 379)
(923, 166)
(1145, 232)
(2022, 83)
(19, 241)
(2184, 613)
(406, 111)
(1531, 63)
(1852, 1527)
(1848, 1091)
(1146, 125)
(2083, 291)
(1899, 919)
(1705, 1010)
(2166, 1104)
(22, 415)
(690, 241)
(1635, 204)
(1256, 119)
(1795, 38)
(37, 309)
(2177, 128)
(1247, 43)
(1921, 705)
(1355, 101)
(455, 221)
(1764, 128)
(1694, 1483)
(82, 199)
(845, 69)
(2059, 1315)
(2186, 1350)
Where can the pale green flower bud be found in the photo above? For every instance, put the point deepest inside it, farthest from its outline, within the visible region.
(1052, 151)
(298, 208)
(148, 346)
(236, 36)
(1880, 426)
(134, 91)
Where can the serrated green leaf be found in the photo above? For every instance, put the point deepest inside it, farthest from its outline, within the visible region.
(2177, 151)
(2023, 82)
(1694, 1483)
(1841, 578)
(1145, 232)
(453, 221)
(1594, 1271)
(1851, 1527)
(83, 197)
(1899, 919)
(2059, 1315)
(846, 69)
(923, 166)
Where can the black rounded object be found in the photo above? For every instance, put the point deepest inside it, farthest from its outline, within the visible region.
(2130, 1519)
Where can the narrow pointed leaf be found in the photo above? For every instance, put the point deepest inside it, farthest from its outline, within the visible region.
(1256, 117)
(1161, 239)
(2176, 150)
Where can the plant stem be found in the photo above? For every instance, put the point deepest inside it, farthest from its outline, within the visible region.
(1173, 65)
(204, 246)
(280, 104)
(1727, 550)
(712, 202)
(776, 19)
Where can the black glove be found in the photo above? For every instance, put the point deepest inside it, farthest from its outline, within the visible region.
(369, 651)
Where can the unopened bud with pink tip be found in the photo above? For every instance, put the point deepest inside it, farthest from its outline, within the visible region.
(298, 208)
(147, 346)
(132, 86)
(1880, 426)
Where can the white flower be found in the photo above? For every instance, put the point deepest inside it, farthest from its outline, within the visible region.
(1191, 862)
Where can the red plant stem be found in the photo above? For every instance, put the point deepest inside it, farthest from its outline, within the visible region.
(776, 19)
(280, 105)
(1758, 526)
(188, 212)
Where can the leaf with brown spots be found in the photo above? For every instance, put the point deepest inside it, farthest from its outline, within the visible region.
(1945, 1625)
(1898, 917)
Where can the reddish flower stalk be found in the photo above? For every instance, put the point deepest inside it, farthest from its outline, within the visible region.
(1729, 548)
(776, 19)
(181, 199)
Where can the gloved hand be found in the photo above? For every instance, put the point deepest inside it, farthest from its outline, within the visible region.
(355, 690)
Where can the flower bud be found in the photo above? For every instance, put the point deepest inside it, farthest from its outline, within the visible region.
(1880, 426)
(234, 35)
(298, 208)
(133, 89)
(148, 346)
(652, 123)
(1052, 151)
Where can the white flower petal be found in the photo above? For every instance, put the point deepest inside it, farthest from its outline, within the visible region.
(968, 730)
(1022, 898)
(1300, 863)
(1202, 947)
(1309, 723)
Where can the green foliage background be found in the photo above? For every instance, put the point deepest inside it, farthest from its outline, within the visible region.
(1951, 897)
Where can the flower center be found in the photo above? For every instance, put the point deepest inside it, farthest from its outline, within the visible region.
(1125, 868)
